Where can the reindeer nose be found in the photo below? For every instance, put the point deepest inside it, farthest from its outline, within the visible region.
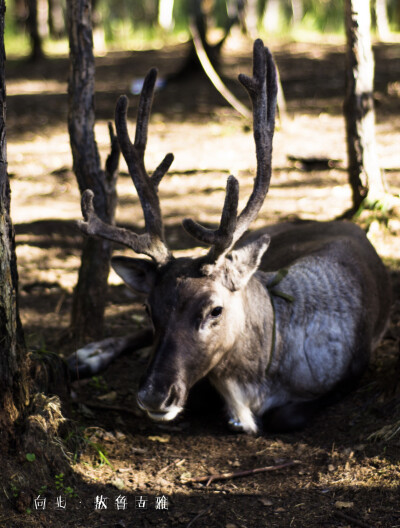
(162, 403)
(150, 399)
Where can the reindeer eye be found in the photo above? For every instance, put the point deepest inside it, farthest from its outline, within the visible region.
(216, 312)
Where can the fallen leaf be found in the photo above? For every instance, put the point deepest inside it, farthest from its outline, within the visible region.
(110, 397)
(163, 482)
(265, 501)
(185, 477)
(118, 483)
(163, 439)
(341, 504)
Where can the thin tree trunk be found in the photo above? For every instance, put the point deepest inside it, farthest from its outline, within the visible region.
(364, 172)
(56, 18)
(89, 296)
(166, 14)
(297, 11)
(192, 64)
(236, 10)
(382, 21)
(251, 18)
(272, 16)
(14, 390)
(33, 28)
(20, 13)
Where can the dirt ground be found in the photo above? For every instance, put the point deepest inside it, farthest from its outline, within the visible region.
(341, 471)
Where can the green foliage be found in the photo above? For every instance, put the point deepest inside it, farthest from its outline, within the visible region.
(59, 481)
(60, 486)
(101, 453)
(324, 15)
(377, 208)
(14, 490)
(394, 14)
(99, 383)
(15, 38)
(133, 24)
(30, 457)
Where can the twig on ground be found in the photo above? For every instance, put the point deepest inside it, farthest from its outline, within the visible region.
(203, 512)
(224, 476)
(116, 408)
(60, 302)
(174, 463)
(6, 494)
(351, 519)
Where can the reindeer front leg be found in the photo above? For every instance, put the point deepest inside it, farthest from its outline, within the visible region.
(237, 399)
(95, 357)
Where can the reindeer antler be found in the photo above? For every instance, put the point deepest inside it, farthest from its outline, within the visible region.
(152, 242)
(262, 88)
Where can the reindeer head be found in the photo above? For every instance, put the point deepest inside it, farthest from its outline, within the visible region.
(196, 305)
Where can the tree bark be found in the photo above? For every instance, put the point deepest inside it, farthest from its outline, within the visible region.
(14, 389)
(297, 11)
(56, 19)
(89, 296)
(33, 28)
(365, 176)
(382, 21)
(166, 14)
(272, 16)
(251, 18)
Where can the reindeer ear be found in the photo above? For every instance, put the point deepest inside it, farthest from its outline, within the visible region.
(138, 274)
(242, 263)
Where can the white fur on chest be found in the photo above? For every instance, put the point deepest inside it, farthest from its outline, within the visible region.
(245, 401)
(240, 400)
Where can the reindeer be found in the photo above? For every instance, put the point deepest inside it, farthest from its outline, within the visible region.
(279, 333)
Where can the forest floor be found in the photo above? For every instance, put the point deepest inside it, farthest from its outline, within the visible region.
(342, 471)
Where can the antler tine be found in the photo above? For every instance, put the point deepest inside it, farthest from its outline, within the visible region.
(113, 158)
(262, 88)
(92, 225)
(152, 242)
(146, 186)
(219, 238)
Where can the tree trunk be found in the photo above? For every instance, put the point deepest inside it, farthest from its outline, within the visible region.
(89, 296)
(251, 18)
(20, 13)
(382, 21)
(56, 19)
(14, 389)
(297, 11)
(272, 16)
(199, 19)
(33, 28)
(166, 14)
(364, 172)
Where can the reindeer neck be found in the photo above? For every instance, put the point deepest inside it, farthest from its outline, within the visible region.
(252, 349)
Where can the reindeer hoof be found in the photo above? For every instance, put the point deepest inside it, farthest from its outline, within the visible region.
(236, 426)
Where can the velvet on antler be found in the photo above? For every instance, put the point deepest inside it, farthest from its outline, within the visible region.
(152, 242)
(262, 89)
